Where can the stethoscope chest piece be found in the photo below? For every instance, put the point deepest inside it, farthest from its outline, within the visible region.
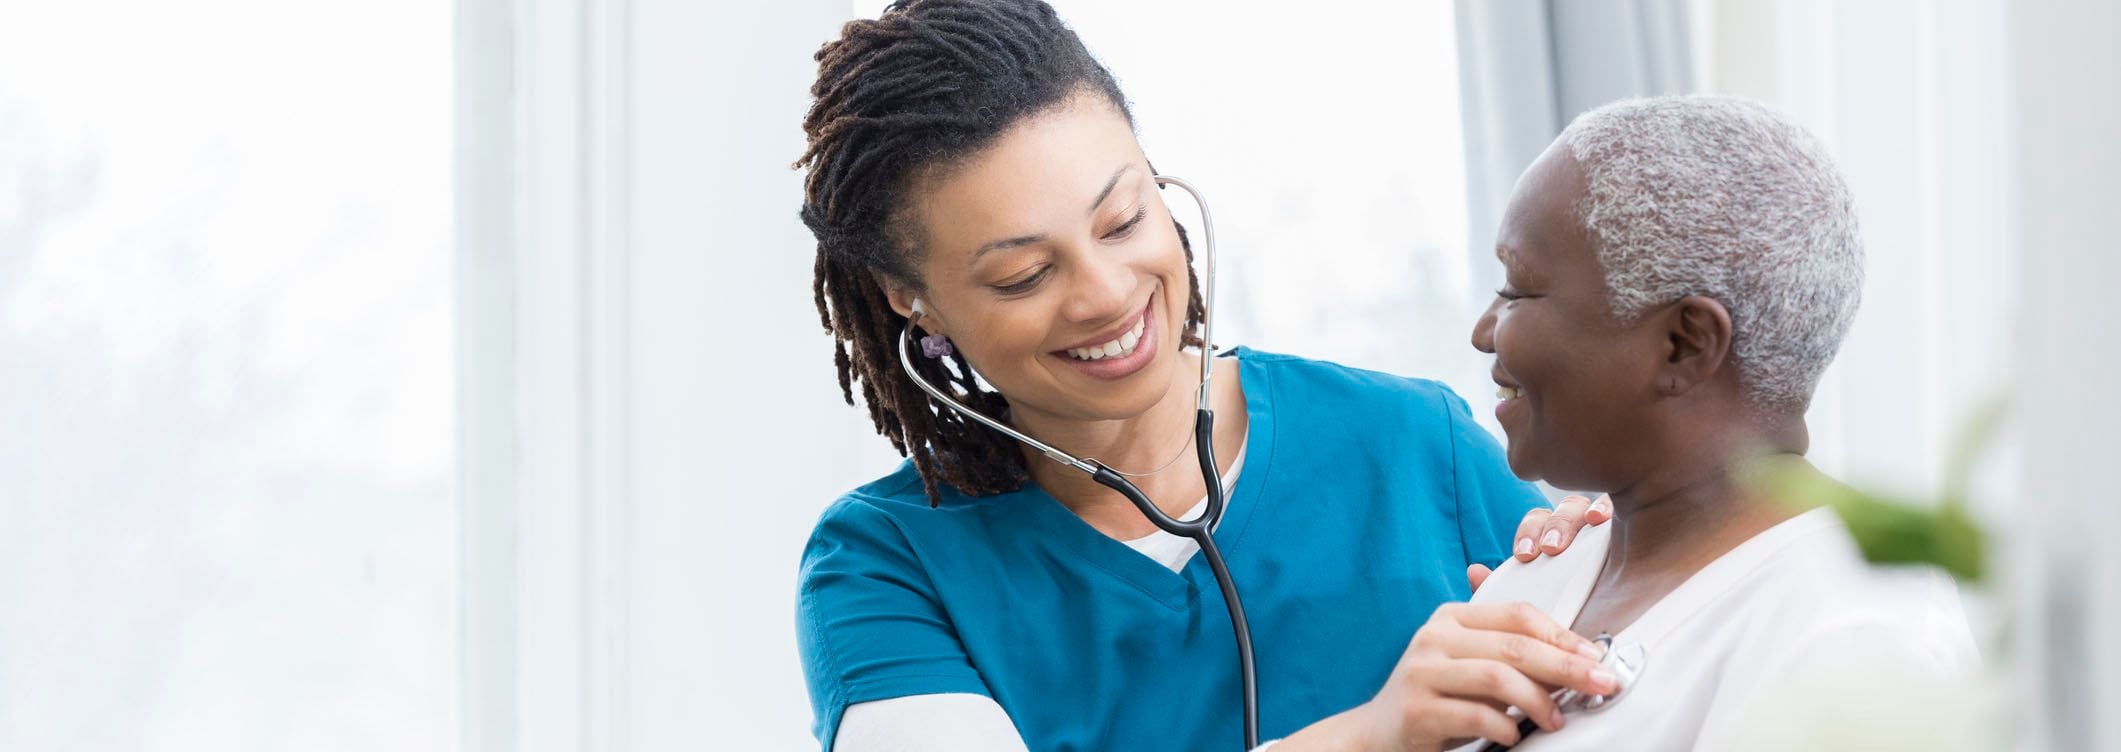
(1626, 663)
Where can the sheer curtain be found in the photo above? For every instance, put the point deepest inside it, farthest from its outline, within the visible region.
(1531, 66)
(1910, 97)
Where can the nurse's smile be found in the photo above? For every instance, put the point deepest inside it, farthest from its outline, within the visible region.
(1117, 356)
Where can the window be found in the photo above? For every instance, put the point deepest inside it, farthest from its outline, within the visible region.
(225, 365)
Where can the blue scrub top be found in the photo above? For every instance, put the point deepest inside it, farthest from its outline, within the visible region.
(1363, 498)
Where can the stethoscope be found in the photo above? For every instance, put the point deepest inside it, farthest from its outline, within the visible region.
(1199, 529)
(1626, 663)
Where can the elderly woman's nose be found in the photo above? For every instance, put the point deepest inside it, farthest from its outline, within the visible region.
(1484, 330)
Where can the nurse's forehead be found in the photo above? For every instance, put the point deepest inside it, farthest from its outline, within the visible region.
(1016, 208)
(1007, 211)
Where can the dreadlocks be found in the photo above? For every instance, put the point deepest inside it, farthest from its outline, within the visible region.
(928, 83)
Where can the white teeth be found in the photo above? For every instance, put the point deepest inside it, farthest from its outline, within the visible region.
(1508, 392)
(1116, 348)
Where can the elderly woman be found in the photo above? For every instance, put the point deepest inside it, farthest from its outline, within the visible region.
(1679, 273)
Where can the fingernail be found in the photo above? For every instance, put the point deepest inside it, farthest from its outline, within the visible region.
(1554, 721)
(1590, 651)
(1552, 538)
(1524, 546)
(1605, 680)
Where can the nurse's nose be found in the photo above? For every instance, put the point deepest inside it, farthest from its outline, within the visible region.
(1100, 291)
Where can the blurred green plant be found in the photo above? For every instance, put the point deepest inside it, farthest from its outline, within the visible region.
(1898, 530)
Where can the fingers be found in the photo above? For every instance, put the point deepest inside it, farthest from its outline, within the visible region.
(1476, 574)
(1528, 533)
(1517, 617)
(1519, 635)
(1543, 663)
(1561, 526)
(1484, 680)
(1601, 511)
(1449, 718)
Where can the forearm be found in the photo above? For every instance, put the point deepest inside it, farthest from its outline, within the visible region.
(1338, 733)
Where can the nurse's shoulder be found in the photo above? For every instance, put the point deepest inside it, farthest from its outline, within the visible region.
(870, 617)
(891, 512)
(865, 525)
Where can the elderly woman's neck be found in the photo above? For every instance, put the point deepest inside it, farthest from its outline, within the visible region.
(1692, 508)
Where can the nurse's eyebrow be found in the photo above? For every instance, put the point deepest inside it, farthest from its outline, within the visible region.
(1008, 243)
(1109, 185)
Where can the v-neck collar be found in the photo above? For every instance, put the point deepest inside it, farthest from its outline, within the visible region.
(1173, 589)
(1699, 591)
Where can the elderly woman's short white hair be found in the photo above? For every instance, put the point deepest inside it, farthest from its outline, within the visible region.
(1721, 197)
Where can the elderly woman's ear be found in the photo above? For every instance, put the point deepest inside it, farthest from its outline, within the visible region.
(1698, 342)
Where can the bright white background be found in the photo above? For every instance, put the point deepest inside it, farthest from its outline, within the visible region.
(281, 471)
(225, 376)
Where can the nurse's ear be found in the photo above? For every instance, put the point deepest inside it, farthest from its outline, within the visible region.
(1697, 339)
(907, 302)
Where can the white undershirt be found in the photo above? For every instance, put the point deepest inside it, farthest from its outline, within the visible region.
(963, 722)
(1173, 551)
(1789, 641)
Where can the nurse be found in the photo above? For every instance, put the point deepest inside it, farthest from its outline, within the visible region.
(971, 155)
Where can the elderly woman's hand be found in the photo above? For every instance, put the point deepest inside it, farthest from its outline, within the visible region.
(1465, 666)
(1550, 531)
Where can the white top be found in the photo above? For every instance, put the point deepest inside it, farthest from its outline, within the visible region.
(1789, 629)
(959, 722)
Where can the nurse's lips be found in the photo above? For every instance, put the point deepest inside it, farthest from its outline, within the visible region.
(1121, 350)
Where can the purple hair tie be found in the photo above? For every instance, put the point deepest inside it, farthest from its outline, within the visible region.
(936, 346)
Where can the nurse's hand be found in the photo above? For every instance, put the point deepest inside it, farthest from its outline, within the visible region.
(1465, 666)
(1551, 531)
